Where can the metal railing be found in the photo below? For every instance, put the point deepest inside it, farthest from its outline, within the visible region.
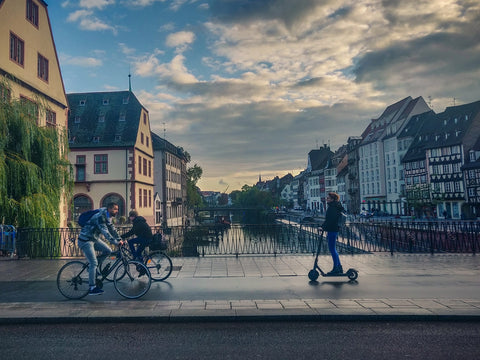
(273, 239)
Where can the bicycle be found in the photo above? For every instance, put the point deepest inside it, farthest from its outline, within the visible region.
(131, 278)
(158, 263)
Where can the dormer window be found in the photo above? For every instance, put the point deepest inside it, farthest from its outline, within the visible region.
(472, 156)
(126, 99)
(77, 119)
(122, 116)
(82, 102)
(96, 139)
(106, 101)
(101, 118)
(466, 117)
(118, 137)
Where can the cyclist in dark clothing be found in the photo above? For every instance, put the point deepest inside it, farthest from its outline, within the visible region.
(143, 232)
(330, 225)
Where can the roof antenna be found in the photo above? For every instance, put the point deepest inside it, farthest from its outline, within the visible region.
(129, 80)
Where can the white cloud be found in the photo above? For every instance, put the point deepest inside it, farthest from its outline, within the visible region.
(81, 61)
(98, 4)
(87, 21)
(180, 40)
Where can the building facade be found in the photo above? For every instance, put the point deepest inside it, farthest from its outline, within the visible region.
(379, 160)
(170, 182)
(29, 67)
(112, 153)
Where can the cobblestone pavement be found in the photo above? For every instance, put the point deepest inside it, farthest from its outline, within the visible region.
(398, 287)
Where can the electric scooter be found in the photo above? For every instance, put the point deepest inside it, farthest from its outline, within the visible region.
(313, 274)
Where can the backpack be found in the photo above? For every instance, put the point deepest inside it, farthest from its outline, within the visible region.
(342, 219)
(86, 216)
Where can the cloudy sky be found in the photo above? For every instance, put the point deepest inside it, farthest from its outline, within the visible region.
(249, 87)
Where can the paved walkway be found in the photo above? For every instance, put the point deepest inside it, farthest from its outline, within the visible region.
(399, 287)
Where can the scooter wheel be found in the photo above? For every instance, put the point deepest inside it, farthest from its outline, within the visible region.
(313, 275)
(352, 274)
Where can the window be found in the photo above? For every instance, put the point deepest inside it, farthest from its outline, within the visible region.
(458, 186)
(51, 118)
(31, 107)
(448, 187)
(96, 139)
(17, 49)
(139, 164)
(106, 102)
(148, 141)
(101, 118)
(139, 197)
(149, 168)
(80, 168)
(145, 198)
(42, 68)
(82, 102)
(4, 92)
(125, 100)
(118, 137)
(472, 156)
(101, 164)
(122, 116)
(77, 119)
(32, 12)
(144, 118)
(141, 138)
(145, 167)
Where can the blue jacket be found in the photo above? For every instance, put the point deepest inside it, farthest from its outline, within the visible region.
(100, 223)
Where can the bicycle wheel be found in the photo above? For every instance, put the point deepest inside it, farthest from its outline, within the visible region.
(159, 264)
(132, 279)
(72, 280)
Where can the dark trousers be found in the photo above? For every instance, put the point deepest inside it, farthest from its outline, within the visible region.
(141, 244)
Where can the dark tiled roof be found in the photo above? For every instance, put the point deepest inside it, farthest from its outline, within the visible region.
(415, 124)
(439, 130)
(377, 126)
(319, 158)
(159, 143)
(111, 132)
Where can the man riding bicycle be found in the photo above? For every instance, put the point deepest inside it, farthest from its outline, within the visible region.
(89, 241)
(142, 230)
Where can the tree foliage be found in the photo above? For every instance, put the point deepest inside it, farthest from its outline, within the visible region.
(34, 170)
(193, 195)
(252, 197)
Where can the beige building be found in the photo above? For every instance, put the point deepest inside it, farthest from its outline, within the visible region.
(112, 153)
(29, 68)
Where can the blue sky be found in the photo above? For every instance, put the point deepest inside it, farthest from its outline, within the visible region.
(249, 87)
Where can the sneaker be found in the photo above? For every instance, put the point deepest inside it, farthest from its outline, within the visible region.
(141, 271)
(337, 270)
(95, 291)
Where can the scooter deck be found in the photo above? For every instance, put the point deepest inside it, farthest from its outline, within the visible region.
(334, 275)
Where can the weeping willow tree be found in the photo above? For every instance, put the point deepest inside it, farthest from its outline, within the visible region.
(34, 170)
